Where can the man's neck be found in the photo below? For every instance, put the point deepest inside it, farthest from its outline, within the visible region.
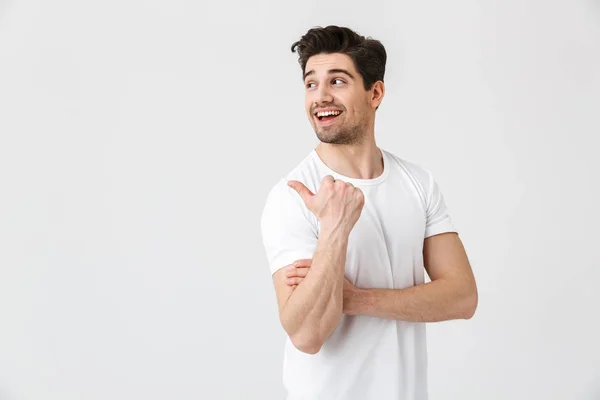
(361, 161)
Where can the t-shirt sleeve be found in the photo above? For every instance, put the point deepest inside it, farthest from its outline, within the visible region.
(288, 233)
(438, 218)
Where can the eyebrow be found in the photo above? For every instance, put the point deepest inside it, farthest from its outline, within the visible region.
(331, 71)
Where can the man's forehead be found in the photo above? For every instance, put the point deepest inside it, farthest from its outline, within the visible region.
(325, 62)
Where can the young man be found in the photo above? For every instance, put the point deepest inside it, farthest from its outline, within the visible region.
(348, 233)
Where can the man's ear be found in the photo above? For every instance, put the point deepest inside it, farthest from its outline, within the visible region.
(377, 93)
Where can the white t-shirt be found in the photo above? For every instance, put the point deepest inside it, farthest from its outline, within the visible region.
(365, 358)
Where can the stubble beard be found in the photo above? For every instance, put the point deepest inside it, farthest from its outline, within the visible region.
(342, 136)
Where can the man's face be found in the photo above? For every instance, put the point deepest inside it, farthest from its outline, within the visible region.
(332, 85)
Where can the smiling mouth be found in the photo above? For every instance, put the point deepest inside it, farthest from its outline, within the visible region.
(328, 116)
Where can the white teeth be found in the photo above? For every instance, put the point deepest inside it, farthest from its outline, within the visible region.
(328, 113)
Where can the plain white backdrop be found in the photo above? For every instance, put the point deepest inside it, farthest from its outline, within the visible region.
(139, 139)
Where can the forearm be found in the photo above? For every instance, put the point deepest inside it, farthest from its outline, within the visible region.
(439, 300)
(315, 307)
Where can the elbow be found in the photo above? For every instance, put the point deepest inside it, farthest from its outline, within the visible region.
(305, 340)
(307, 343)
(312, 349)
(310, 338)
(470, 305)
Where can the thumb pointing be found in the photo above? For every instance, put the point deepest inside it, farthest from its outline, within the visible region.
(302, 190)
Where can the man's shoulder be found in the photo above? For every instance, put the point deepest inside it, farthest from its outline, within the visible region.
(415, 171)
(283, 204)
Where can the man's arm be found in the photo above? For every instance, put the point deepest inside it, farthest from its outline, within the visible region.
(311, 312)
(451, 294)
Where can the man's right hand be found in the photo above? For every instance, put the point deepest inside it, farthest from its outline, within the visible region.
(337, 204)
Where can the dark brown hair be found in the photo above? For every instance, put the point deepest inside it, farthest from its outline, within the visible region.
(368, 54)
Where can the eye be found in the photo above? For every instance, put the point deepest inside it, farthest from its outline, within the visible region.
(338, 80)
(308, 85)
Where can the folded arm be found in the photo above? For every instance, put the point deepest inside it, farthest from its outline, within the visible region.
(451, 294)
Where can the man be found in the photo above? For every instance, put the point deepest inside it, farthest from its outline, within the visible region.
(348, 233)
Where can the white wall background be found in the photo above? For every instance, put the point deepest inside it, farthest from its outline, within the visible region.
(138, 140)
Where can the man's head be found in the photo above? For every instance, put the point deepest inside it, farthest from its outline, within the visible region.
(343, 74)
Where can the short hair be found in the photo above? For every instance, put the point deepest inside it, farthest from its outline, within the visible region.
(369, 55)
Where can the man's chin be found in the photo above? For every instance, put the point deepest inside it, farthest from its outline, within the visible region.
(329, 139)
(337, 137)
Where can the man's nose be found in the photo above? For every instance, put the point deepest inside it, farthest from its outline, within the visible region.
(324, 95)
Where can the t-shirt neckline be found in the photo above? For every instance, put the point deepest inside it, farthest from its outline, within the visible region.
(355, 181)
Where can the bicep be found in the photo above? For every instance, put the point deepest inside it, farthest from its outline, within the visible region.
(444, 256)
(443, 251)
